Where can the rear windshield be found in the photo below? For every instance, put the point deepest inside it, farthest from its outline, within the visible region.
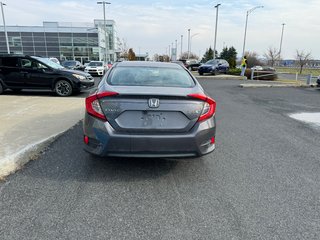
(69, 63)
(150, 76)
(95, 64)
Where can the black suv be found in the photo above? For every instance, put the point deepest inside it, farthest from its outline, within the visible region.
(28, 72)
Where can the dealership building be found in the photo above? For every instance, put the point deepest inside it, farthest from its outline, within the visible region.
(65, 41)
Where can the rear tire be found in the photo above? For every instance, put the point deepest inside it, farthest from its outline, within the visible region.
(63, 88)
(1, 88)
(200, 73)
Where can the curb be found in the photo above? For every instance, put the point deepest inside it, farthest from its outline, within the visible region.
(30, 152)
(251, 85)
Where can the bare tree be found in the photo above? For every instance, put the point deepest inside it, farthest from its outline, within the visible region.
(302, 58)
(156, 57)
(123, 48)
(252, 58)
(191, 56)
(272, 55)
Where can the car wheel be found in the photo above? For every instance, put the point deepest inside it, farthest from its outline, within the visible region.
(201, 73)
(215, 72)
(190, 68)
(226, 71)
(1, 88)
(63, 88)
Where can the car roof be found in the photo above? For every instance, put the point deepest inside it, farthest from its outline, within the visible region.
(147, 64)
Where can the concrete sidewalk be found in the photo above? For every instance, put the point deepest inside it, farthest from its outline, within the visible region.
(29, 123)
(277, 83)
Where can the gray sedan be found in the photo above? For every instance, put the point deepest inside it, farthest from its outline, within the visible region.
(149, 109)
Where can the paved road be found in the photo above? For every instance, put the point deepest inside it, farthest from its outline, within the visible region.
(262, 182)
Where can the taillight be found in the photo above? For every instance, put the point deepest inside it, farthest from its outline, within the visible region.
(209, 106)
(93, 105)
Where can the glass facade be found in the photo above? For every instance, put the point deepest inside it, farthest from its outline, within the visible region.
(60, 40)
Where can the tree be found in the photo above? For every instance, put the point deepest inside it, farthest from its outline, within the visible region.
(123, 48)
(252, 58)
(156, 57)
(272, 55)
(208, 55)
(191, 55)
(131, 55)
(302, 59)
(229, 54)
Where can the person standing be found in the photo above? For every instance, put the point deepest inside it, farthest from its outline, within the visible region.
(243, 65)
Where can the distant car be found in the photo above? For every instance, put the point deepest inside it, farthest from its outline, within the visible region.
(149, 109)
(192, 64)
(55, 60)
(72, 64)
(214, 67)
(179, 62)
(96, 68)
(257, 68)
(318, 81)
(19, 72)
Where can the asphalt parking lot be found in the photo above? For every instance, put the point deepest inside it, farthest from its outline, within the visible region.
(262, 181)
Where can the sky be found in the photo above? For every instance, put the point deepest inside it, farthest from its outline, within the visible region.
(153, 26)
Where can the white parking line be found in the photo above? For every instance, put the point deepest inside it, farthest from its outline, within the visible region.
(310, 118)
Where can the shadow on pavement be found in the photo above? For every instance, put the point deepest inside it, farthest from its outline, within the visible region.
(65, 160)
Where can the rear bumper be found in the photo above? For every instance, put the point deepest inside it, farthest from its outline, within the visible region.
(104, 141)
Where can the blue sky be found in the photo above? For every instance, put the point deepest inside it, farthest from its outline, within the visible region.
(151, 26)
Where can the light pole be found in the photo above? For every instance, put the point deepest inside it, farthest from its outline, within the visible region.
(188, 43)
(193, 35)
(176, 51)
(245, 29)
(105, 30)
(181, 46)
(4, 27)
(281, 39)
(215, 33)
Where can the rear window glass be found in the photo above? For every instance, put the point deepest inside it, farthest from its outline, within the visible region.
(95, 64)
(150, 76)
(9, 62)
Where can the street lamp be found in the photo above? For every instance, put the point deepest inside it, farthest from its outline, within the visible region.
(245, 30)
(281, 39)
(193, 35)
(188, 43)
(105, 30)
(215, 33)
(181, 46)
(4, 27)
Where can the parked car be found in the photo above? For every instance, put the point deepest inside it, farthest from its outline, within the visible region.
(214, 67)
(96, 68)
(192, 64)
(26, 72)
(149, 109)
(53, 59)
(257, 68)
(318, 81)
(72, 64)
(179, 63)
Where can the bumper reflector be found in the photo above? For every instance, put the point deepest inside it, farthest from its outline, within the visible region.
(86, 140)
(212, 141)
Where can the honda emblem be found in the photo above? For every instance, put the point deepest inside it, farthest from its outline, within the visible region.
(154, 102)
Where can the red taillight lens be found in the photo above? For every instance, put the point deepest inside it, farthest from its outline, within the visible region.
(209, 106)
(86, 140)
(93, 105)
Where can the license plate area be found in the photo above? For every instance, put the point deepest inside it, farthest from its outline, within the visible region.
(152, 120)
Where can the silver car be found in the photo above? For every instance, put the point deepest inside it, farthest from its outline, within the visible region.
(149, 109)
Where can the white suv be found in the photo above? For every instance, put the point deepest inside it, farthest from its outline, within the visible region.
(96, 68)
